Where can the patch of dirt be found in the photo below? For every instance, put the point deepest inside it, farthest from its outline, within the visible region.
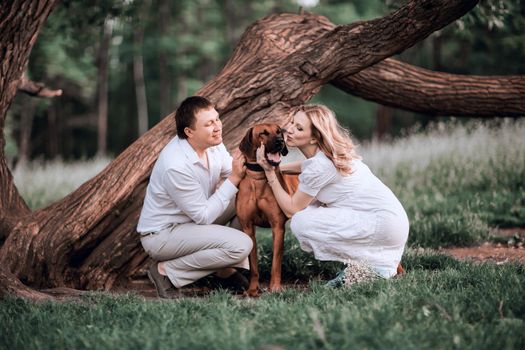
(488, 252)
(507, 246)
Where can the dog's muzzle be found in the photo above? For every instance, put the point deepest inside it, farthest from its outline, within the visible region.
(275, 149)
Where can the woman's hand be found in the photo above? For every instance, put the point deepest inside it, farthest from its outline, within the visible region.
(262, 161)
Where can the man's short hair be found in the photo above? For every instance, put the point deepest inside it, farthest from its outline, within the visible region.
(185, 115)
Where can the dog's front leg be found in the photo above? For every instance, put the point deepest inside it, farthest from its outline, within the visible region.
(277, 259)
(253, 289)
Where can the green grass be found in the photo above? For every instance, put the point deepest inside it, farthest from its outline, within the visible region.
(439, 303)
(42, 183)
(455, 181)
(297, 265)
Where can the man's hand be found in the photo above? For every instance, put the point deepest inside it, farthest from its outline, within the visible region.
(238, 168)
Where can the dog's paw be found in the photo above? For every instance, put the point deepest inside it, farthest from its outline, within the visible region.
(252, 293)
(276, 288)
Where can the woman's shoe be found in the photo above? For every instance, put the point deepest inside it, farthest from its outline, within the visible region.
(338, 281)
(354, 272)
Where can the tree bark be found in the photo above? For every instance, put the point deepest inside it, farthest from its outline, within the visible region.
(396, 84)
(20, 23)
(11, 286)
(280, 61)
(36, 89)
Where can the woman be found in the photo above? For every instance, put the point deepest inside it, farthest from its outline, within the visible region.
(341, 211)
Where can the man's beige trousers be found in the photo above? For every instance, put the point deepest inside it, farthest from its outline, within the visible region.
(192, 251)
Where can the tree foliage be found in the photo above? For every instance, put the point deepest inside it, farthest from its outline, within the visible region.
(201, 36)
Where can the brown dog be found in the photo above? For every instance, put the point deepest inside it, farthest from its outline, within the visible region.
(256, 204)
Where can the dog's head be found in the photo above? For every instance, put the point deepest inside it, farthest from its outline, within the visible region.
(271, 135)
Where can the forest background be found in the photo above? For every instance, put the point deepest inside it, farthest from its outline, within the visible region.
(123, 65)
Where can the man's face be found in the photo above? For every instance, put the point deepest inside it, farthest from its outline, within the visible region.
(207, 131)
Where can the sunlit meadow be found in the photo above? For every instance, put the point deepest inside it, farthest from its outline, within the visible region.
(455, 180)
(41, 183)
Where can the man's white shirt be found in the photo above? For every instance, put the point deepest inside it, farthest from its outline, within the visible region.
(181, 189)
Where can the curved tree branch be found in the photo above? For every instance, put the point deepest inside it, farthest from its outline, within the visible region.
(37, 89)
(304, 68)
(350, 48)
(403, 86)
(388, 82)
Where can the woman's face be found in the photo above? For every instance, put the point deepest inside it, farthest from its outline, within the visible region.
(299, 131)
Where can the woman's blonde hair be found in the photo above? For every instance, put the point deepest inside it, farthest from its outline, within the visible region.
(333, 139)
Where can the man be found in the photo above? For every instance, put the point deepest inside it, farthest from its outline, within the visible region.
(185, 207)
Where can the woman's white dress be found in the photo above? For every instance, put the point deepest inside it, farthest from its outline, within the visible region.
(354, 217)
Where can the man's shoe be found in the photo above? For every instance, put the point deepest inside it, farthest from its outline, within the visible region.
(236, 282)
(162, 283)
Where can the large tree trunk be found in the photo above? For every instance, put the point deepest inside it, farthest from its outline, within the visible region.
(88, 240)
(20, 23)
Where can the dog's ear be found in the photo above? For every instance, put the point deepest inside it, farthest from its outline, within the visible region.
(284, 152)
(246, 145)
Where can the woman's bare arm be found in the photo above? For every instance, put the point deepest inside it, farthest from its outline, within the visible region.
(289, 204)
(291, 168)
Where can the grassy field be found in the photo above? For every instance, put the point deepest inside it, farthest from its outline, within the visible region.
(42, 183)
(456, 182)
(439, 304)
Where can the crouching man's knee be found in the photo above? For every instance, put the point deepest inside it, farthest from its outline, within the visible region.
(246, 245)
(240, 247)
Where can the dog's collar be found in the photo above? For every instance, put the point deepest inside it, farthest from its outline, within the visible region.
(254, 167)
